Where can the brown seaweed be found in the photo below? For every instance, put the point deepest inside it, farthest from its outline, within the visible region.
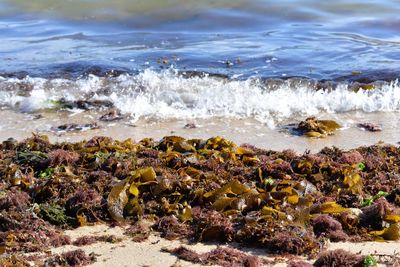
(200, 190)
(13, 260)
(312, 127)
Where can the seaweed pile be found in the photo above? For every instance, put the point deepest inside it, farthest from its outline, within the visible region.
(313, 127)
(201, 190)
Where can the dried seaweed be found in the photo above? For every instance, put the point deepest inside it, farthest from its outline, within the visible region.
(13, 260)
(201, 190)
(171, 228)
(139, 232)
(71, 258)
(88, 240)
(293, 242)
(339, 257)
(85, 240)
(298, 264)
(223, 256)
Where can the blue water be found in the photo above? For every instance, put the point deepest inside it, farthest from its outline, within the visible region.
(323, 40)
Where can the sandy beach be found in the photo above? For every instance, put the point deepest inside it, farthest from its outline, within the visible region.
(22, 125)
(149, 253)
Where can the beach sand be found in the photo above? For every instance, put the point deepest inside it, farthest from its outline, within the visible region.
(148, 253)
(20, 126)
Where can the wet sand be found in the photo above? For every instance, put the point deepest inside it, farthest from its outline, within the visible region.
(19, 126)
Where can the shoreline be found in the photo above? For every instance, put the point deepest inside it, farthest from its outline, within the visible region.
(241, 131)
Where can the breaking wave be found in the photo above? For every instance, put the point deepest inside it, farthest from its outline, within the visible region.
(172, 95)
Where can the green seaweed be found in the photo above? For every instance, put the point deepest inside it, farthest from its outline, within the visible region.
(369, 261)
(54, 214)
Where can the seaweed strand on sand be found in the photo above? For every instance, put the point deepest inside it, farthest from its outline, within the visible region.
(200, 190)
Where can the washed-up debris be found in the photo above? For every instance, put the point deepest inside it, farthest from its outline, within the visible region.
(222, 256)
(325, 225)
(71, 258)
(312, 127)
(200, 190)
(74, 127)
(113, 115)
(190, 126)
(339, 257)
(299, 264)
(371, 127)
(88, 240)
(13, 260)
(84, 104)
(138, 232)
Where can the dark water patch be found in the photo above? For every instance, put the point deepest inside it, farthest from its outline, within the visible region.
(79, 70)
(369, 76)
(73, 70)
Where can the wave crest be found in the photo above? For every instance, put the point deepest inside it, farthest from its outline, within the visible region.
(170, 95)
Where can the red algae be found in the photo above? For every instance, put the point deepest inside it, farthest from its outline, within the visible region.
(61, 156)
(223, 256)
(71, 258)
(326, 226)
(88, 240)
(298, 264)
(84, 241)
(200, 190)
(339, 257)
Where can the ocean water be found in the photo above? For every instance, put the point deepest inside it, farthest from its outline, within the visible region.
(307, 38)
(273, 62)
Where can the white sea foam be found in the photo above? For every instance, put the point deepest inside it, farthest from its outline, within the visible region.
(167, 95)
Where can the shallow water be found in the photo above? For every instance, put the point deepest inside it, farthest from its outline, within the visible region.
(317, 39)
(268, 63)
